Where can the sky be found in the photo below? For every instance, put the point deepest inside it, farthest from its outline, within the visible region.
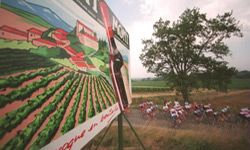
(138, 17)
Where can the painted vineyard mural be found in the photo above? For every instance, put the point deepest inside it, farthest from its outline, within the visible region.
(56, 90)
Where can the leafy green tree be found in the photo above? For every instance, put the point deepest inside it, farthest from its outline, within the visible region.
(191, 48)
(53, 52)
(102, 45)
(243, 74)
(47, 35)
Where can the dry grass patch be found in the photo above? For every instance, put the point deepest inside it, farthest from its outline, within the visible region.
(196, 137)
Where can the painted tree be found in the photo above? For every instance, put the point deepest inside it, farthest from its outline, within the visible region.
(191, 51)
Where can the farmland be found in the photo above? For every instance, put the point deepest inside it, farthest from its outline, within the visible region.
(158, 133)
(42, 100)
(240, 83)
(150, 85)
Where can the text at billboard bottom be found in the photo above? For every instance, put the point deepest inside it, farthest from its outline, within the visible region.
(82, 134)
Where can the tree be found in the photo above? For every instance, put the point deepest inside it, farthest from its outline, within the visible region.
(191, 51)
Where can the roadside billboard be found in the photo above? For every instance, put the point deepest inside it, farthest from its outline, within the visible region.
(59, 82)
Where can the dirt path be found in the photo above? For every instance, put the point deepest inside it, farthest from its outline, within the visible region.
(145, 95)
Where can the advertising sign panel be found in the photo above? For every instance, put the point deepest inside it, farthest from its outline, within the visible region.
(64, 74)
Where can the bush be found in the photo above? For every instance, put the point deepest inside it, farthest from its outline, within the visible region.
(82, 116)
(149, 89)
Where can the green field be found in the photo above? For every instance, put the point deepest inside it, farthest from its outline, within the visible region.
(161, 85)
(149, 83)
(97, 62)
(65, 62)
(240, 84)
(16, 44)
(54, 52)
(149, 86)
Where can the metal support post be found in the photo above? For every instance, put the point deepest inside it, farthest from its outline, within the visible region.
(136, 135)
(103, 136)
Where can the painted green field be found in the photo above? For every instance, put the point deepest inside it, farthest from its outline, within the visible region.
(15, 60)
(23, 45)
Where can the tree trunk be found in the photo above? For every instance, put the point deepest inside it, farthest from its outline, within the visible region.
(185, 94)
(184, 87)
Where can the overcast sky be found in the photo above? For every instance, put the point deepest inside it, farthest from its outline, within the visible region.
(138, 17)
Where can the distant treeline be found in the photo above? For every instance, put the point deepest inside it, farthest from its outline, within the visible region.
(241, 80)
(148, 79)
(243, 74)
(150, 89)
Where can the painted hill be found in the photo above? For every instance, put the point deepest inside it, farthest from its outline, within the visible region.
(20, 19)
(45, 13)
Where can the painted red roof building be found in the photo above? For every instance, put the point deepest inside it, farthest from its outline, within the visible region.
(75, 58)
(86, 36)
(9, 33)
(80, 54)
(34, 33)
(42, 42)
(60, 34)
(70, 50)
(61, 31)
(60, 44)
(81, 64)
(91, 66)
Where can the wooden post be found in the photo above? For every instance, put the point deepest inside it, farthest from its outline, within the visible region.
(120, 131)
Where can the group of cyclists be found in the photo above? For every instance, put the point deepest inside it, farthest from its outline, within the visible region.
(245, 113)
(148, 109)
(177, 112)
